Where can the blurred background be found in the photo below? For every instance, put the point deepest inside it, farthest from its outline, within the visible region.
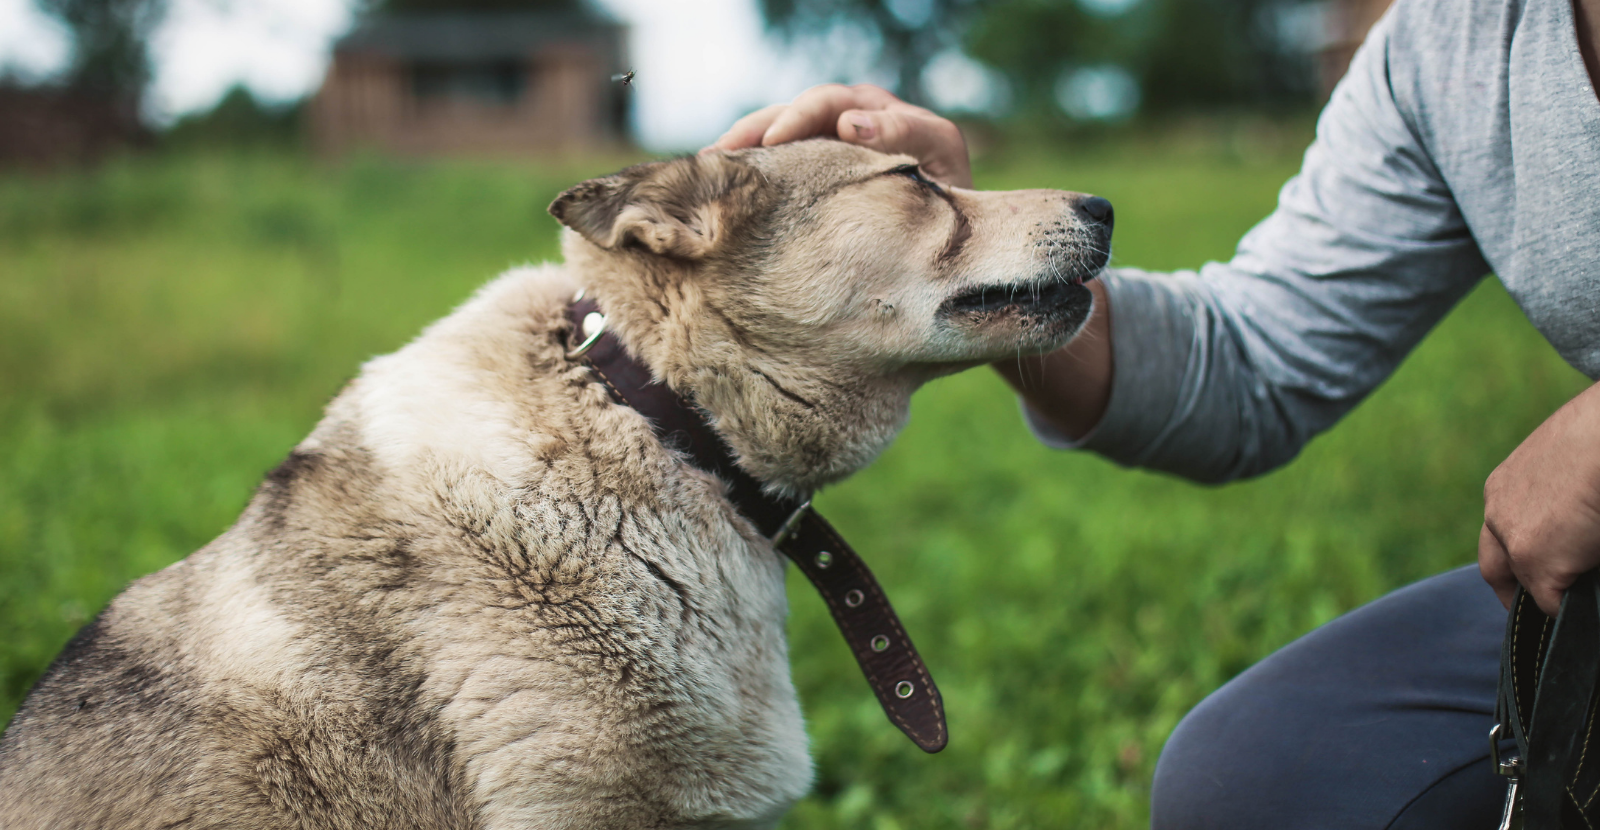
(79, 78)
(212, 211)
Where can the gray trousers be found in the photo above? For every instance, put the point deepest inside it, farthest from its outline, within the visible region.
(1379, 719)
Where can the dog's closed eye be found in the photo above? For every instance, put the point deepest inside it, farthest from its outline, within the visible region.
(914, 173)
(962, 229)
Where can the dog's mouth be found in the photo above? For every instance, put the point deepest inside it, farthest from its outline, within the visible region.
(1052, 304)
(995, 299)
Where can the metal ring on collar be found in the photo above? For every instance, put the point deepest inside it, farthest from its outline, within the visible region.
(594, 325)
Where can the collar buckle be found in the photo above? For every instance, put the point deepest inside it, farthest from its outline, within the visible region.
(786, 530)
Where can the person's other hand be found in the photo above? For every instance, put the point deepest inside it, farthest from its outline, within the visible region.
(863, 114)
(1541, 507)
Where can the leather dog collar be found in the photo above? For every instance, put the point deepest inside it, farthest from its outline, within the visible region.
(859, 606)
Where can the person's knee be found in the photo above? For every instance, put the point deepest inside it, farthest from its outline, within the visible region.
(1246, 757)
(1191, 784)
(1346, 726)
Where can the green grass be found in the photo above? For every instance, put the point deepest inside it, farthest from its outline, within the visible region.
(170, 327)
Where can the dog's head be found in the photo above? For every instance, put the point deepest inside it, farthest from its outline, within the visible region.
(801, 292)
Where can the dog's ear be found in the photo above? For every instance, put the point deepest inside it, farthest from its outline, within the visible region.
(682, 208)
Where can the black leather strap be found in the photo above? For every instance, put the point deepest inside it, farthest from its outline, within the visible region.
(869, 624)
(1548, 677)
(859, 606)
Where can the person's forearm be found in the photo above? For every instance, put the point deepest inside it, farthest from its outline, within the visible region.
(1069, 387)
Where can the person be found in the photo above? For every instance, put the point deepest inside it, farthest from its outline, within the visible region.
(1464, 139)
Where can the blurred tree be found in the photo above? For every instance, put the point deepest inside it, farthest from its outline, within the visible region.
(381, 6)
(110, 56)
(1183, 53)
(1032, 42)
(238, 120)
(911, 31)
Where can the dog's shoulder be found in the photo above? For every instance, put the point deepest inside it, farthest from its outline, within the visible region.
(591, 595)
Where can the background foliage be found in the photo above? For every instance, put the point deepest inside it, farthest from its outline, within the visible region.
(1183, 54)
(171, 325)
(385, 6)
(908, 33)
(110, 38)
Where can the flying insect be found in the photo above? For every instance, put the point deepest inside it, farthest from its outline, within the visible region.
(625, 77)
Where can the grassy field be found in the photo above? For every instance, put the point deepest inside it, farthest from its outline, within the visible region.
(170, 327)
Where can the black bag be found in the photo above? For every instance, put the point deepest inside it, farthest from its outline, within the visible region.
(1548, 673)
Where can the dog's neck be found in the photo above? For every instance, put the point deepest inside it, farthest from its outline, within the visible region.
(793, 426)
(892, 666)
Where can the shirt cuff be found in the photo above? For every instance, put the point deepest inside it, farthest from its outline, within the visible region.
(1152, 342)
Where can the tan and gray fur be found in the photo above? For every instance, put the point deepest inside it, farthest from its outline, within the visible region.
(482, 595)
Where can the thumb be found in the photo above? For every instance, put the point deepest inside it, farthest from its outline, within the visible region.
(860, 127)
(935, 142)
(886, 131)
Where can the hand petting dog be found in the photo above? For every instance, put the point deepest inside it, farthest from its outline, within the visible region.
(864, 115)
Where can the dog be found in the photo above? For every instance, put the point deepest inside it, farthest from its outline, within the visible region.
(483, 594)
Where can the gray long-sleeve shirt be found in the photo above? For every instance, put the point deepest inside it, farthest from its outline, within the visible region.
(1464, 139)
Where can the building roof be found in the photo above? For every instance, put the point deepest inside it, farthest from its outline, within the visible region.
(475, 36)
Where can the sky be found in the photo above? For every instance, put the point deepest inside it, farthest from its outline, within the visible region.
(700, 63)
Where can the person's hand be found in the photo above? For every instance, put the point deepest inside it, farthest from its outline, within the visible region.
(1541, 507)
(864, 115)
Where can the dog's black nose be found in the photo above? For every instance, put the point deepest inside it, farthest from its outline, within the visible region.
(1097, 209)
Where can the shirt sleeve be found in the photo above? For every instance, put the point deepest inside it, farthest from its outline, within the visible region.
(1227, 372)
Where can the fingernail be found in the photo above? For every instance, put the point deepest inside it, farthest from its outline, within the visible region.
(864, 129)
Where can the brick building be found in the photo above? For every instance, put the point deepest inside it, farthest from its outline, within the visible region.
(48, 126)
(474, 83)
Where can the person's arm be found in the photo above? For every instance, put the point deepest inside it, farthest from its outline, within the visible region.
(1227, 372)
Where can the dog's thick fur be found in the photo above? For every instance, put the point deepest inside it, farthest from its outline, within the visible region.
(482, 595)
